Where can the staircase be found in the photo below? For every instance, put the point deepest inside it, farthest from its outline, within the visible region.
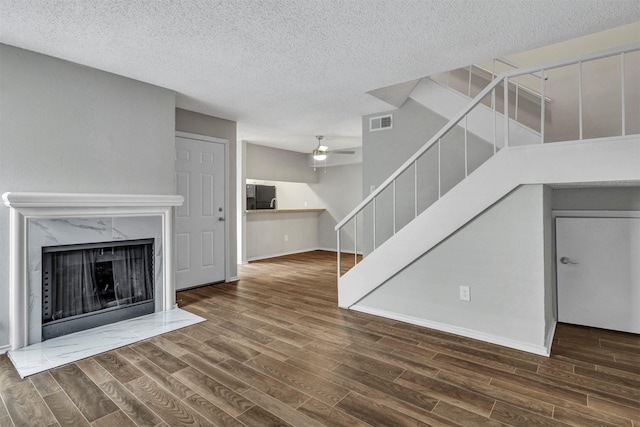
(519, 157)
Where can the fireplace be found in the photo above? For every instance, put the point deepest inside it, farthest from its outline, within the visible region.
(94, 284)
(40, 220)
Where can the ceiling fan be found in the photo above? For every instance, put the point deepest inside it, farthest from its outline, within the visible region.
(321, 151)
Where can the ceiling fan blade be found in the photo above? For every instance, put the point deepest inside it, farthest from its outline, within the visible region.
(342, 152)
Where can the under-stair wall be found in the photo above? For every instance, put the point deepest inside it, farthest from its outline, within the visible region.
(607, 161)
(501, 256)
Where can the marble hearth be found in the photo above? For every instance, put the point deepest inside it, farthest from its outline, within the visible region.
(51, 219)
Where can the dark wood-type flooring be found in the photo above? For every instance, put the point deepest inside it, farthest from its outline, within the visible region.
(276, 351)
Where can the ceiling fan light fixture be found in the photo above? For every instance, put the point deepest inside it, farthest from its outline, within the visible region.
(319, 155)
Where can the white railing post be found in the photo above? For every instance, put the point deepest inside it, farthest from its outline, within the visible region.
(415, 188)
(339, 249)
(623, 99)
(374, 224)
(466, 152)
(355, 240)
(542, 109)
(493, 98)
(394, 206)
(515, 114)
(506, 112)
(439, 171)
(580, 100)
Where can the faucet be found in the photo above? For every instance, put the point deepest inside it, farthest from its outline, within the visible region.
(271, 205)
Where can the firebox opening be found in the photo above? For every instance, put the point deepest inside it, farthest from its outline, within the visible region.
(89, 285)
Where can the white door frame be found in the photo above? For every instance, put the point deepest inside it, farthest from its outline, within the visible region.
(225, 142)
(579, 214)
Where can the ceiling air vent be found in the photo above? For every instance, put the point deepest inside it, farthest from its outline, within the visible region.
(380, 123)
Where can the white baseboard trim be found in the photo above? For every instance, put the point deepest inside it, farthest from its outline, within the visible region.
(336, 251)
(457, 330)
(299, 251)
(328, 249)
(550, 334)
(233, 279)
(5, 348)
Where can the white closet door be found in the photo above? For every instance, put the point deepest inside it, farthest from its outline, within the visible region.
(598, 267)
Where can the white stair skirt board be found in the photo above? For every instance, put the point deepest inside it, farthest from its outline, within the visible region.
(607, 160)
(79, 345)
(464, 332)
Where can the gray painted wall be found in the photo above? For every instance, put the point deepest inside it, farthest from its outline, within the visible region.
(274, 164)
(69, 128)
(340, 190)
(266, 233)
(597, 198)
(500, 255)
(201, 124)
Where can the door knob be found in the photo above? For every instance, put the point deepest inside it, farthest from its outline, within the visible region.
(566, 260)
(221, 218)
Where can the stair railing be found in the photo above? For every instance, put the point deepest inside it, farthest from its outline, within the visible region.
(525, 87)
(486, 72)
(461, 119)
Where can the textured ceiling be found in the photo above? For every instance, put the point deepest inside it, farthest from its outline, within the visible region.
(288, 70)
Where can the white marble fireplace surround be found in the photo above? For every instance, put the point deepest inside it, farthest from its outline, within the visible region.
(51, 219)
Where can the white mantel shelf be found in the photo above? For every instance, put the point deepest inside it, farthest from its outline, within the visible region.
(83, 200)
(32, 206)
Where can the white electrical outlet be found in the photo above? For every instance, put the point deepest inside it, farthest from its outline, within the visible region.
(464, 293)
(286, 237)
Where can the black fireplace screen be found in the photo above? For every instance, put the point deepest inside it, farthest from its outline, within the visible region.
(87, 279)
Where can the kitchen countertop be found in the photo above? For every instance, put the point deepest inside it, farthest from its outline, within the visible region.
(256, 211)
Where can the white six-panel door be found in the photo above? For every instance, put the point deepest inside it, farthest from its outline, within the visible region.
(200, 221)
(598, 270)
